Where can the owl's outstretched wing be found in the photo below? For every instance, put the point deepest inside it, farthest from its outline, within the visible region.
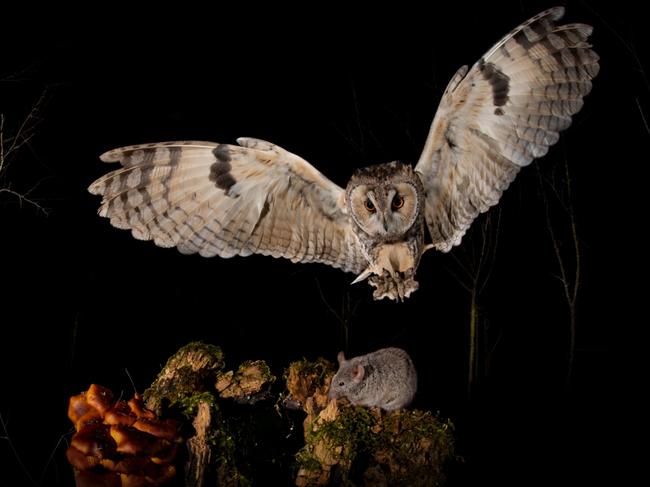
(507, 110)
(219, 199)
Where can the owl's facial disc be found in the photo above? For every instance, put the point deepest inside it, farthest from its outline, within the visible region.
(384, 210)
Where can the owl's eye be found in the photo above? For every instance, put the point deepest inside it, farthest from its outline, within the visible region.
(369, 206)
(398, 202)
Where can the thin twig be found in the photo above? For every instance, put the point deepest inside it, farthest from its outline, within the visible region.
(5, 436)
(458, 279)
(476, 269)
(358, 118)
(492, 251)
(628, 46)
(27, 127)
(574, 234)
(135, 390)
(468, 272)
(554, 241)
(54, 450)
(645, 122)
(10, 144)
(569, 287)
(23, 198)
(2, 143)
(329, 306)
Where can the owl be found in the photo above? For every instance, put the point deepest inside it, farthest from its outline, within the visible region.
(257, 198)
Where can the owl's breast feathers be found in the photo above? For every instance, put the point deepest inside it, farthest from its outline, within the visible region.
(392, 266)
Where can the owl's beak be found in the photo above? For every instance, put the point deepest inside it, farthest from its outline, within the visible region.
(384, 222)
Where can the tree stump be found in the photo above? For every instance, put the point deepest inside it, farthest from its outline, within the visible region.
(232, 438)
(192, 383)
(352, 445)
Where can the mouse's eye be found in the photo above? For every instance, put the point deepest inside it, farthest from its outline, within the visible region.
(341, 383)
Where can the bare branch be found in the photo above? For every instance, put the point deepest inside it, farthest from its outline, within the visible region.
(574, 235)
(570, 283)
(22, 198)
(645, 122)
(475, 264)
(61, 439)
(9, 145)
(551, 231)
(2, 143)
(27, 128)
(5, 436)
(459, 280)
(466, 270)
(492, 251)
(327, 304)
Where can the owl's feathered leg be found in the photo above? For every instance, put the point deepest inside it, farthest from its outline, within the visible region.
(390, 284)
(396, 287)
(392, 270)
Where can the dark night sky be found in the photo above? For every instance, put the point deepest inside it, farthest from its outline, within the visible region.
(83, 302)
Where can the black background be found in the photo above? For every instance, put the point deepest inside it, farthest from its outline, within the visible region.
(83, 302)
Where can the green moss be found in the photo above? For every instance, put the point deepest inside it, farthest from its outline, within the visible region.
(188, 406)
(225, 446)
(262, 366)
(351, 430)
(187, 380)
(305, 459)
(418, 453)
(190, 371)
(221, 439)
(409, 447)
(207, 349)
(318, 369)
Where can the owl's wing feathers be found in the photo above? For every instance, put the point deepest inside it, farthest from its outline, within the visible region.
(500, 115)
(219, 199)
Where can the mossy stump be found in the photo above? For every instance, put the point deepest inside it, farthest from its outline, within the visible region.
(348, 445)
(191, 384)
(343, 444)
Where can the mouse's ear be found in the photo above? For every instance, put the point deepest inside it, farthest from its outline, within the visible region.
(359, 372)
(341, 357)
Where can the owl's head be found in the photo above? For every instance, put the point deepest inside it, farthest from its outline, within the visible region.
(385, 200)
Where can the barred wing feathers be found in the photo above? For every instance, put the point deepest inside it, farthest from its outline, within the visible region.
(226, 200)
(500, 115)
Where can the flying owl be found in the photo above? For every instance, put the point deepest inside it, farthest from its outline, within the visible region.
(255, 197)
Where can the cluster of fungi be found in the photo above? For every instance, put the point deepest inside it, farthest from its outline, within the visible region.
(120, 443)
